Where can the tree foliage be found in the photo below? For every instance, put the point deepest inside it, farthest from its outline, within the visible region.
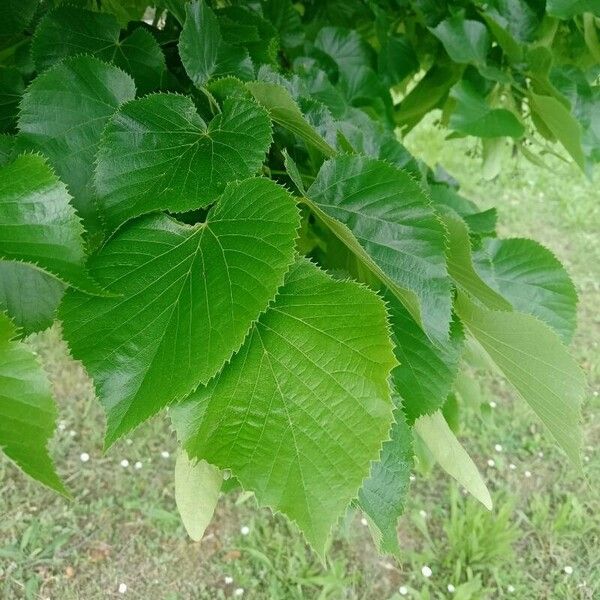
(214, 200)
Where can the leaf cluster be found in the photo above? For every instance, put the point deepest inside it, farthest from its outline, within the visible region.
(213, 200)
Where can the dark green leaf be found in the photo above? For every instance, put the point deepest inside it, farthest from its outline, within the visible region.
(382, 496)
(474, 116)
(29, 296)
(425, 371)
(11, 90)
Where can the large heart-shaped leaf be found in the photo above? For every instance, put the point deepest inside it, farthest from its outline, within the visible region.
(27, 410)
(158, 154)
(63, 114)
(304, 406)
(187, 296)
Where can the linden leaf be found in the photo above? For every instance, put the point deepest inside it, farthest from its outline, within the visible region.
(388, 223)
(185, 298)
(157, 153)
(303, 407)
(63, 114)
(383, 494)
(533, 359)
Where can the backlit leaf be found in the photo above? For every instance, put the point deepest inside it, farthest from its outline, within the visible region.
(533, 359)
(451, 456)
(197, 487)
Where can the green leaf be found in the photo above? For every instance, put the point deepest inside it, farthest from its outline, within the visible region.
(63, 114)
(451, 456)
(460, 264)
(38, 225)
(346, 48)
(203, 52)
(157, 153)
(382, 496)
(303, 408)
(27, 410)
(464, 40)
(384, 217)
(11, 90)
(563, 126)
(533, 359)
(284, 111)
(396, 59)
(15, 15)
(286, 20)
(425, 371)
(186, 298)
(29, 296)
(567, 9)
(68, 31)
(533, 280)
(197, 487)
(473, 116)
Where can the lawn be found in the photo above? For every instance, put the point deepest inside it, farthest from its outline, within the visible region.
(120, 537)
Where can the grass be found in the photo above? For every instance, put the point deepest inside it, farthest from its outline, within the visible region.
(122, 526)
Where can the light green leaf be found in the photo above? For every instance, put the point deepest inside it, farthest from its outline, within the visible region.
(69, 31)
(533, 280)
(460, 264)
(284, 111)
(464, 40)
(533, 359)
(563, 126)
(197, 487)
(29, 296)
(382, 496)
(425, 371)
(451, 456)
(303, 408)
(63, 114)
(27, 410)
(157, 153)
(382, 215)
(203, 52)
(473, 116)
(38, 225)
(187, 296)
(567, 9)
